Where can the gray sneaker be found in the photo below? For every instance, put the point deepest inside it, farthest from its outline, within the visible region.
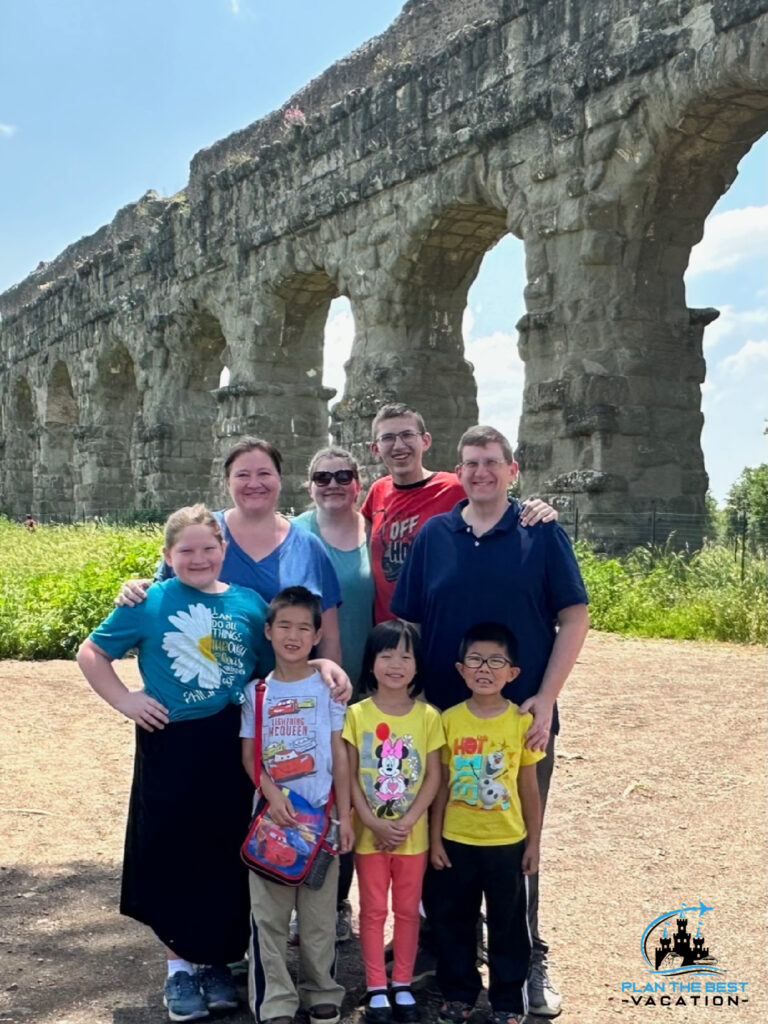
(182, 997)
(543, 998)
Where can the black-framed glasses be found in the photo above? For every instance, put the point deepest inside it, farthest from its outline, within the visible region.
(324, 476)
(406, 436)
(495, 662)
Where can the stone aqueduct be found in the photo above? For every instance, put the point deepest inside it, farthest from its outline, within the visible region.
(600, 132)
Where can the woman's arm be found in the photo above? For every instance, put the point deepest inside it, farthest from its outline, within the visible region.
(96, 666)
(330, 640)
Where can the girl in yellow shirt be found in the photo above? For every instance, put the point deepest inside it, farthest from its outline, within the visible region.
(394, 746)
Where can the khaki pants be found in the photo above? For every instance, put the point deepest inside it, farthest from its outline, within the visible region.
(271, 992)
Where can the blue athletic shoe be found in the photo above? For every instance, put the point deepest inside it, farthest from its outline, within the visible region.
(182, 997)
(218, 988)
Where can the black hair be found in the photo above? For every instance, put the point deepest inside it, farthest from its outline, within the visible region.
(495, 632)
(296, 597)
(385, 637)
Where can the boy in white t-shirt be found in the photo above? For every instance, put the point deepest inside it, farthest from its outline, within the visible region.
(302, 749)
(484, 834)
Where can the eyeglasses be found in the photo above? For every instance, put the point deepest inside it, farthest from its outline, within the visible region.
(491, 464)
(495, 662)
(342, 476)
(406, 436)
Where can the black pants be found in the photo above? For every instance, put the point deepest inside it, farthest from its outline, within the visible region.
(540, 947)
(454, 896)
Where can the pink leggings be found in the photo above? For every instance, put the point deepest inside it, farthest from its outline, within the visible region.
(375, 871)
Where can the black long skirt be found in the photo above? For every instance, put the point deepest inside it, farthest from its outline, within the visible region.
(188, 815)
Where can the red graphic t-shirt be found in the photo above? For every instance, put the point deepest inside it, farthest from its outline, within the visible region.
(396, 514)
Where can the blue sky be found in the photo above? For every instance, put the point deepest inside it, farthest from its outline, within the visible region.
(100, 101)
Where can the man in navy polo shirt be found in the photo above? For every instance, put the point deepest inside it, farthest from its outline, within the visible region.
(478, 564)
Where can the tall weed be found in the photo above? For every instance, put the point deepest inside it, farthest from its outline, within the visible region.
(665, 593)
(58, 582)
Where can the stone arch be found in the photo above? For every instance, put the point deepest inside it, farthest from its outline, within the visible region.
(21, 449)
(443, 263)
(697, 162)
(55, 481)
(104, 461)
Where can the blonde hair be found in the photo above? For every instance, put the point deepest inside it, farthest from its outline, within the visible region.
(190, 515)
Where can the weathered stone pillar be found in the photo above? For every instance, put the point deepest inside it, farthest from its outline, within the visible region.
(275, 389)
(105, 438)
(54, 480)
(611, 412)
(408, 348)
(21, 452)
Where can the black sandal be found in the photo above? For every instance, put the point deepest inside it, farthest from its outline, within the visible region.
(404, 1013)
(377, 1014)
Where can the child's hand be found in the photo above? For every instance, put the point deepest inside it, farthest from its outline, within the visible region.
(346, 836)
(281, 809)
(438, 858)
(530, 861)
(389, 834)
(144, 710)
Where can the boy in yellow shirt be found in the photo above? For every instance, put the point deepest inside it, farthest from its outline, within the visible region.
(484, 834)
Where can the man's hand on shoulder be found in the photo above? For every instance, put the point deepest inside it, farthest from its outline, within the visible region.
(537, 511)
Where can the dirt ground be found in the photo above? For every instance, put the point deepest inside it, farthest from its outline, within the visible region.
(658, 801)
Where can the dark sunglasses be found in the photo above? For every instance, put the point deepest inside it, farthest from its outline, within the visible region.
(342, 476)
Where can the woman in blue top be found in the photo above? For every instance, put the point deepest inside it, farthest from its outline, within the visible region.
(334, 485)
(264, 551)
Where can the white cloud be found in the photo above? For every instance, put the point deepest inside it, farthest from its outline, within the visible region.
(732, 321)
(7, 130)
(234, 6)
(500, 374)
(752, 358)
(731, 238)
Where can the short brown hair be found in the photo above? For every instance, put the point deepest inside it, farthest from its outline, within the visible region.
(253, 444)
(190, 515)
(393, 411)
(482, 436)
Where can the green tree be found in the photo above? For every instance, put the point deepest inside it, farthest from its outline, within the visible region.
(749, 497)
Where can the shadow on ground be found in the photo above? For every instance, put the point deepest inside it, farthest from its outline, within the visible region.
(68, 956)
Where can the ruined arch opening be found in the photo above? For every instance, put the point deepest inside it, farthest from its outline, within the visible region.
(296, 377)
(728, 270)
(495, 303)
(55, 485)
(20, 450)
(697, 161)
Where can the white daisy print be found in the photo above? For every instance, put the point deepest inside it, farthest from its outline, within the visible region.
(191, 648)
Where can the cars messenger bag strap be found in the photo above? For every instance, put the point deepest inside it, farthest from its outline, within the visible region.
(296, 854)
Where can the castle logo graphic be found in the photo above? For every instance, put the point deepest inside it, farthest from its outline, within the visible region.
(669, 947)
(675, 951)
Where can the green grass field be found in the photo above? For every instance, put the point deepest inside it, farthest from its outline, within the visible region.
(58, 582)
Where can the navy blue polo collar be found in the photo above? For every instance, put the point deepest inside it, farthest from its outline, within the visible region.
(507, 522)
